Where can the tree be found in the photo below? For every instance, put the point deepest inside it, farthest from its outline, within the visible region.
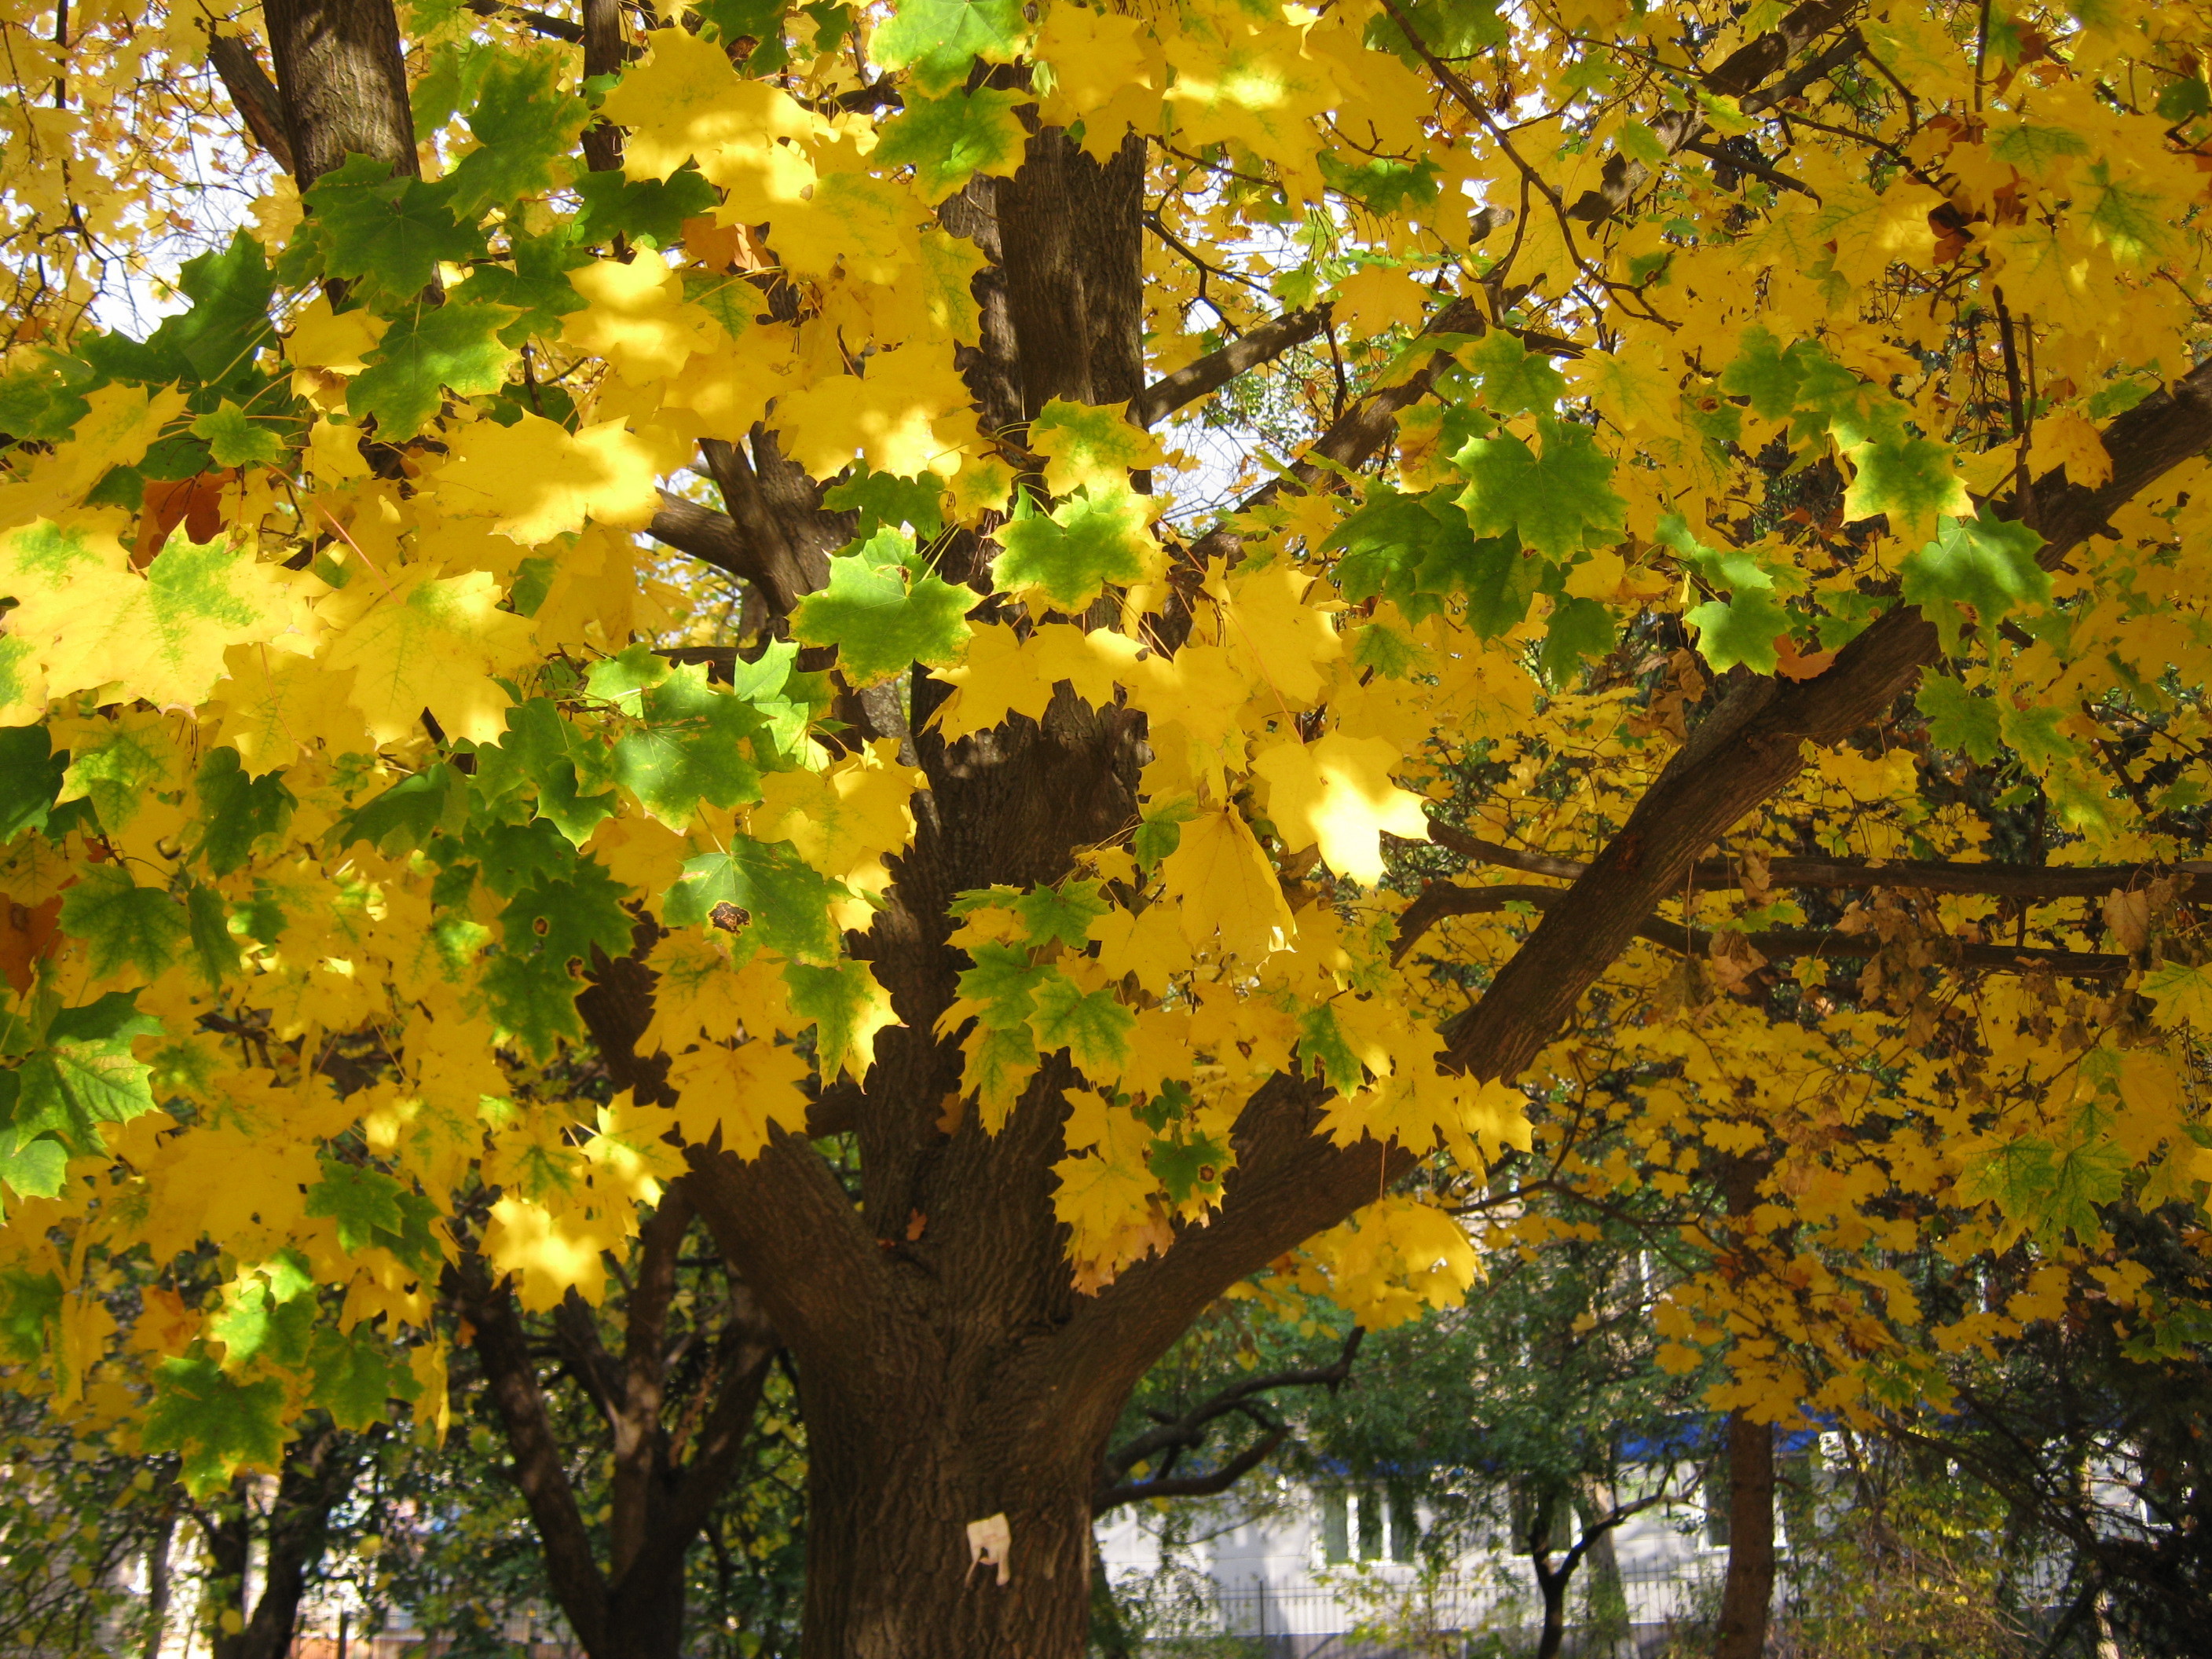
(1005, 936)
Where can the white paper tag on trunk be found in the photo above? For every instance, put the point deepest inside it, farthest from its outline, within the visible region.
(990, 1541)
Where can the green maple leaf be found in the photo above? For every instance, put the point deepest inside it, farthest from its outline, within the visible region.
(1983, 562)
(1189, 1168)
(1513, 378)
(648, 210)
(267, 1311)
(38, 1169)
(1957, 719)
(2053, 1190)
(566, 920)
(1493, 575)
(693, 749)
(83, 1074)
(30, 1306)
(836, 996)
(30, 778)
(234, 440)
(1063, 913)
(884, 609)
(355, 1375)
(208, 921)
(1743, 629)
(1323, 1051)
(536, 289)
(548, 754)
(780, 899)
(1068, 558)
(525, 125)
(1003, 982)
(237, 810)
(2033, 735)
(1387, 540)
(214, 1422)
(1383, 185)
(425, 353)
(404, 817)
(127, 926)
(1579, 629)
(1767, 374)
(363, 1202)
(885, 500)
(388, 232)
(1553, 501)
(1093, 1027)
(2132, 222)
(215, 341)
(1912, 480)
(948, 140)
(938, 38)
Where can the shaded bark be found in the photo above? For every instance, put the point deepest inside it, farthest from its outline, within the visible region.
(1748, 1592)
(343, 81)
(319, 1472)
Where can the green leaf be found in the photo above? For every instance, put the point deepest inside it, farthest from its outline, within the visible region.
(884, 609)
(1983, 562)
(234, 440)
(40, 1169)
(547, 752)
(2050, 1190)
(565, 920)
(1553, 501)
(652, 209)
(2033, 735)
(948, 140)
(694, 748)
(116, 772)
(215, 341)
(1742, 630)
(404, 817)
(1323, 1051)
(214, 1422)
(1957, 719)
(425, 353)
(2183, 993)
(126, 926)
(30, 1306)
(1513, 378)
(389, 233)
(1068, 558)
(1003, 982)
(525, 125)
(1091, 1025)
(1386, 541)
(237, 810)
(2132, 222)
(82, 1075)
(1063, 913)
(1189, 1168)
(1767, 374)
(938, 38)
(537, 290)
(356, 1374)
(364, 1202)
(1383, 185)
(770, 887)
(885, 500)
(1159, 831)
(838, 997)
(1580, 630)
(1912, 480)
(30, 778)
(212, 942)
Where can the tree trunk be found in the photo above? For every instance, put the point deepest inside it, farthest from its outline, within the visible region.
(344, 83)
(1748, 1593)
(157, 1582)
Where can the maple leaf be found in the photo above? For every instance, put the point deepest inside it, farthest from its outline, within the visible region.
(126, 926)
(938, 38)
(389, 232)
(426, 641)
(536, 480)
(1983, 561)
(454, 346)
(690, 750)
(635, 315)
(1090, 445)
(81, 1074)
(355, 1374)
(1337, 795)
(1224, 886)
(1091, 1025)
(848, 1006)
(1912, 480)
(217, 1423)
(884, 609)
(1513, 378)
(1066, 559)
(740, 1094)
(1959, 719)
(234, 438)
(525, 125)
(906, 418)
(768, 887)
(1554, 500)
(948, 140)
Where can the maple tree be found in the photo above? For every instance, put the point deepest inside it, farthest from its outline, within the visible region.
(629, 649)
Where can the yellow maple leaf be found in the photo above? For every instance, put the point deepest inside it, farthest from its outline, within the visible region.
(635, 316)
(1337, 795)
(1222, 884)
(548, 1254)
(844, 820)
(427, 642)
(864, 223)
(536, 482)
(909, 415)
(275, 707)
(2067, 441)
(1272, 631)
(745, 1093)
(686, 99)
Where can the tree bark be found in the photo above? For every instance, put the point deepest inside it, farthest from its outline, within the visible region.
(1747, 1593)
(344, 83)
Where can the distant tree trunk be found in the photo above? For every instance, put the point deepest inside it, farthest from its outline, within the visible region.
(1551, 1581)
(1748, 1596)
(1596, 1504)
(318, 1474)
(157, 1582)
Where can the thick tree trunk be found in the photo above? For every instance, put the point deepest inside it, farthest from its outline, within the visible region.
(1747, 1595)
(344, 79)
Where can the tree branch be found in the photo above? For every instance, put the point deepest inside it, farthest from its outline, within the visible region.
(2035, 882)
(1755, 743)
(1216, 369)
(1442, 899)
(1194, 1485)
(253, 93)
(537, 22)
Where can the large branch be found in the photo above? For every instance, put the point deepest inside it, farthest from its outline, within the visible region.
(1209, 373)
(537, 22)
(1442, 899)
(1743, 71)
(1751, 747)
(253, 94)
(2033, 883)
(511, 1380)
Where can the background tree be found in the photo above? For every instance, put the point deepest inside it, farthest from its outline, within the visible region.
(1022, 967)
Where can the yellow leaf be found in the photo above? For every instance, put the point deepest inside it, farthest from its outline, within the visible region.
(908, 416)
(427, 642)
(2067, 441)
(745, 1093)
(637, 317)
(548, 1255)
(1337, 795)
(1222, 884)
(535, 481)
